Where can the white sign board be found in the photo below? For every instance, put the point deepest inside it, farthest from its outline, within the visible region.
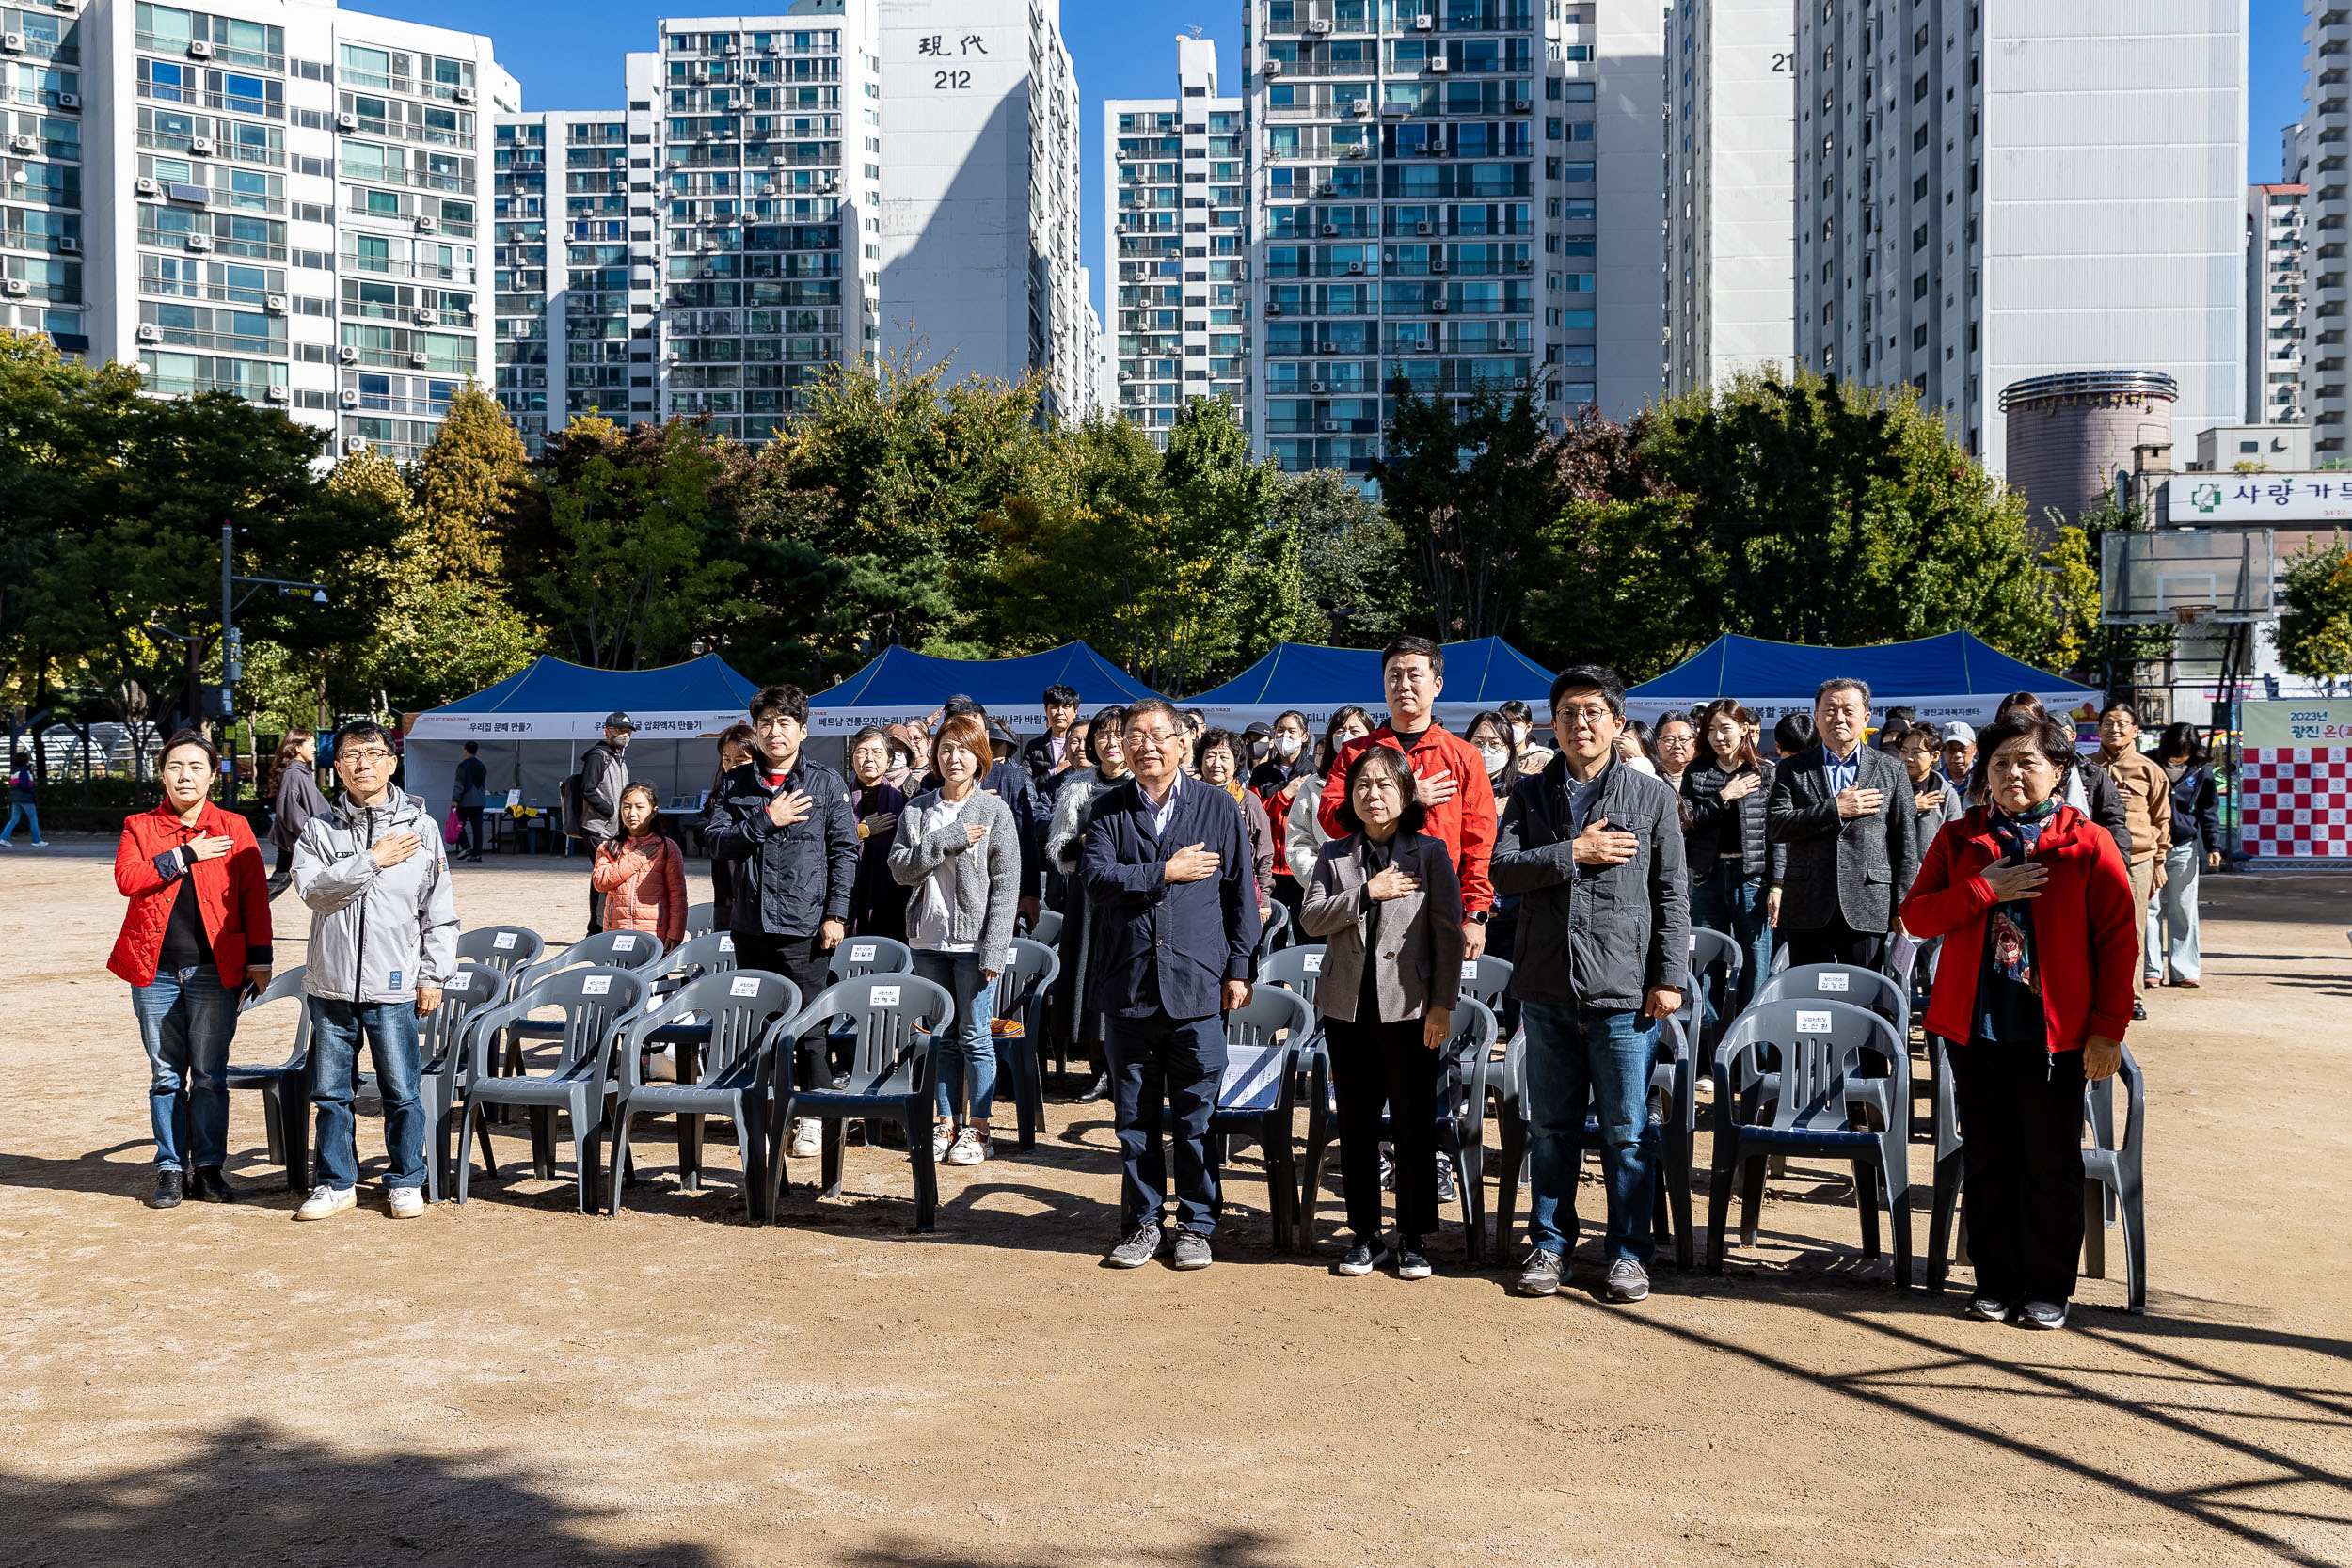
(445, 725)
(2259, 498)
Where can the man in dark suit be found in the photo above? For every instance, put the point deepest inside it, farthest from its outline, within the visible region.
(1165, 862)
(1846, 813)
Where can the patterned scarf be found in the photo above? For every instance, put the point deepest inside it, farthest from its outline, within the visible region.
(2010, 937)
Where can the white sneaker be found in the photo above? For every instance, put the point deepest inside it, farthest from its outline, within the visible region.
(325, 1202)
(969, 1148)
(407, 1202)
(807, 1139)
(942, 1135)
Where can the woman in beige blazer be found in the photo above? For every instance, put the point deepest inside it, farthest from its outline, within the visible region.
(1387, 903)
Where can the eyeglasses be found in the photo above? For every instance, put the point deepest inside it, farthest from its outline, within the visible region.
(1584, 717)
(364, 759)
(1155, 739)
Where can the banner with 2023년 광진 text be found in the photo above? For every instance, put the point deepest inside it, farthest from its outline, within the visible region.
(2296, 789)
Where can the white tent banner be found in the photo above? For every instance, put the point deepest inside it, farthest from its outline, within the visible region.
(1971, 708)
(1455, 717)
(448, 724)
(846, 721)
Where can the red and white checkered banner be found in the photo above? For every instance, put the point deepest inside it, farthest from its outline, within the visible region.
(2297, 801)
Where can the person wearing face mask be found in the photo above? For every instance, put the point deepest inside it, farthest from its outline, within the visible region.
(603, 775)
(878, 902)
(1220, 765)
(1494, 736)
(1280, 774)
(1531, 756)
(735, 750)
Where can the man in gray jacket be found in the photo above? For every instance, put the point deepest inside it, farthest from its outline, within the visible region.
(1846, 813)
(603, 780)
(1595, 851)
(383, 941)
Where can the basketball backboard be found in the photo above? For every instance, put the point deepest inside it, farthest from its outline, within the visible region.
(2186, 574)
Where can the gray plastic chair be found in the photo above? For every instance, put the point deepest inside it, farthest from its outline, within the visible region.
(701, 919)
(1715, 964)
(1298, 969)
(1462, 1073)
(1047, 927)
(1019, 1031)
(1264, 1039)
(1847, 983)
(1275, 933)
(895, 1021)
(858, 956)
(712, 953)
(1484, 980)
(1821, 1044)
(444, 1056)
(284, 1087)
(507, 949)
(596, 1001)
(734, 1013)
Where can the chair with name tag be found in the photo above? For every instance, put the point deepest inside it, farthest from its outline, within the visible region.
(731, 1014)
(1817, 1090)
(1018, 1033)
(1485, 979)
(508, 949)
(894, 1026)
(712, 953)
(595, 1001)
(1256, 1095)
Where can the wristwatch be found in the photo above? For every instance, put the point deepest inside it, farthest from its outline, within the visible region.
(1479, 919)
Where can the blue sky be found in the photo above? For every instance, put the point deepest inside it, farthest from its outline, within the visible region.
(567, 55)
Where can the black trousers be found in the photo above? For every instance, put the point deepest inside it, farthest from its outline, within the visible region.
(1375, 1065)
(469, 830)
(2021, 1127)
(1834, 944)
(801, 961)
(1175, 1063)
(595, 899)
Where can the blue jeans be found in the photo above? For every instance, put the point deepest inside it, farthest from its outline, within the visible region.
(1575, 1057)
(391, 1031)
(186, 1022)
(21, 812)
(967, 1056)
(1180, 1061)
(2175, 908)
(1727, 900)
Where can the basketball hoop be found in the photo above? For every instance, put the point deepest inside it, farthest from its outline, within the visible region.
(2189, 615)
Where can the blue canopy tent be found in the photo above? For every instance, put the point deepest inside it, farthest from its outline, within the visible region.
(532, 726)
(1317, 680)
(1955, 677)
(903, 684)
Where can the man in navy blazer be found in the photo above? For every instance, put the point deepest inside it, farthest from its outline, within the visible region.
(1166, 862)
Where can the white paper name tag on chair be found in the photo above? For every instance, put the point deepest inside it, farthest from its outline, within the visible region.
(625, 944)
(1315, 963)
(726, 945)
(1813, 1024)
(863, 953)
(596, 984)
(744, 985)
(502, 942)
(1469, 969)
(883, 996)
(1831, 982)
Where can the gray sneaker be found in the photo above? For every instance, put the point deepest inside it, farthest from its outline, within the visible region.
(2041, 1314)
(1192, 1250)
(1135, 1248)
(1539, 1275)
(1627, 1281)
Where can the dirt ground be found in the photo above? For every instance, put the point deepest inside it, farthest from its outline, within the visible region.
(512, 1383)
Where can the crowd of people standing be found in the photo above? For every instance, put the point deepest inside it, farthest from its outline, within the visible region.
(2038, 888)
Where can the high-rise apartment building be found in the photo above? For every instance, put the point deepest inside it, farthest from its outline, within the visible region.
(270, 197)
(979, 195)
(1451, 196)
(2316, 158)
(1993, 190)
(1731, 105)
(2274, 304)
(1175, 248)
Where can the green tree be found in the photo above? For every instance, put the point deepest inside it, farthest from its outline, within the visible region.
(2314, 630)
(1620, 589)
(794, 626)
(1351, 555)
(2074, 575)
(468, 481)
(1471, 488)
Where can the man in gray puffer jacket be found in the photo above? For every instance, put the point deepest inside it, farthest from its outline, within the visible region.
(383, 941)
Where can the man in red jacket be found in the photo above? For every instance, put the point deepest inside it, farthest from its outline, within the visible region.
(1454, 786)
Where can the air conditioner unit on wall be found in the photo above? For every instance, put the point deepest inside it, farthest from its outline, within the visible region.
(346, 121)
(418, 361)
(69, 100)
(150, 333)
(199, 242)
(15, 288)
(347, 399)
(278, 394)
(465, 95)
(346, 355)
(200, 50)
(12, 43)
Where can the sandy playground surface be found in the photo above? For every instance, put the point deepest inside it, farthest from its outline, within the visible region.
(514, 1384)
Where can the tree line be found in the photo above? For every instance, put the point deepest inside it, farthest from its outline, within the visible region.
(906, 506)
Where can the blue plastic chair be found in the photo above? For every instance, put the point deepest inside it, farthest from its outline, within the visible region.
(895, 1023)
(1815, 1097)
(1263, 1040)
(596, 1002)
(732, 1014)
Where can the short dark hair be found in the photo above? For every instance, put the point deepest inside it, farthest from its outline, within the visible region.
(871, 732)
(785, 702)
(22, 759)
(1058, 695)
(1518, 712)
(1213, 738)
(2016, 699)
(358, 729)
(1107, 720)
(471, 747)
(1903, 711)
(1391, 761)
(212, 752)
(1675, 715)
(2052, 737)
(2120, 703)
(1843, 683)
(962, 704)
(1792, 733)
(1327, 753)
(2181, 740)
(1142, 705)
(1590, 678)
(1399, 646)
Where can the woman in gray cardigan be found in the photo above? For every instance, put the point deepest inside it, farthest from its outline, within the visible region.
(959, 850)
(1387, 904)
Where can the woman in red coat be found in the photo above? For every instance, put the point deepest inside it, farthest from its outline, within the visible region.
(2033, 991)
(196, 934)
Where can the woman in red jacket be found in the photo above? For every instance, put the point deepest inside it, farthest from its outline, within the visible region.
(196, 934)
(2033, 991)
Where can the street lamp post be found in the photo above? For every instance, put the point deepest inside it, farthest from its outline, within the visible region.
(232, 643)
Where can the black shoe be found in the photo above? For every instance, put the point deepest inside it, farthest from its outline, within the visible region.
(211, 1186)
(1447, 1191)
(1360, 1260)
(1410, 1264)
(2140, 1012)
(166, 1193)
